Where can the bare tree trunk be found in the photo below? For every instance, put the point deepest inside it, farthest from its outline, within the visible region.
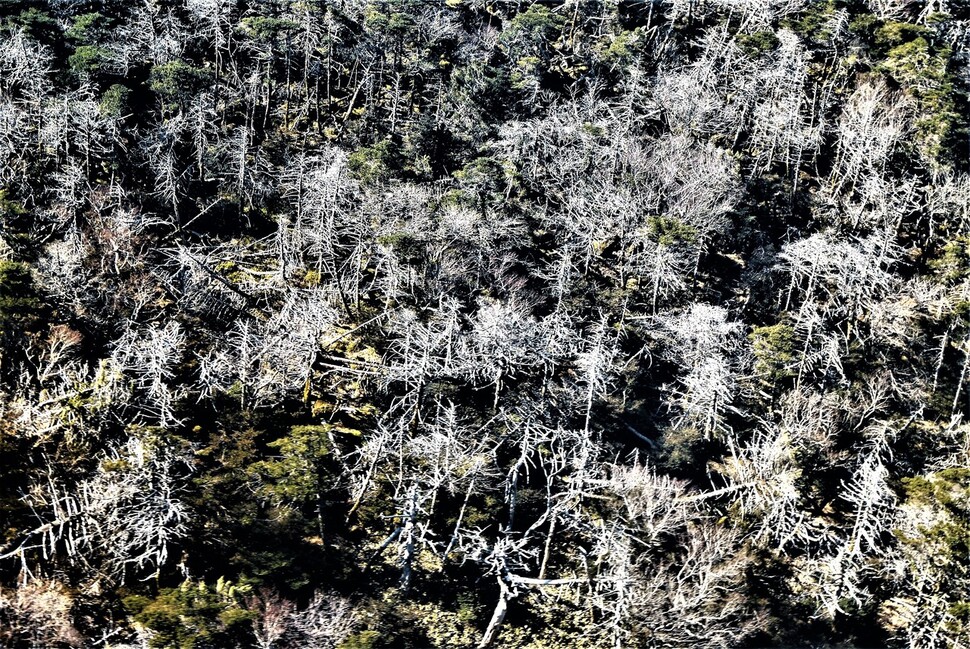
(408, 534)
(546, 550)
(939, 359)
(498, 615)
(461, 517)
(963, 377)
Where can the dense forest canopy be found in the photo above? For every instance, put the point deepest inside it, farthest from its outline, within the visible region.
(350, 324)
